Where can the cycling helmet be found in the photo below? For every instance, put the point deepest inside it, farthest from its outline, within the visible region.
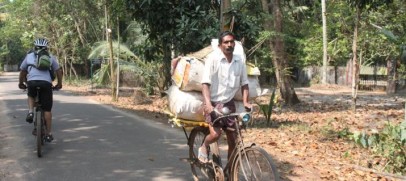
(41, 42)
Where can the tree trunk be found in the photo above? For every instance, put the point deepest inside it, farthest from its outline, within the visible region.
(111, 61)
(391, 69)
(325, 63)
(277, 46)
(166, 66)
(65, 64)
(355, 67)
(224, 18)
(83, 41)
(73, 70)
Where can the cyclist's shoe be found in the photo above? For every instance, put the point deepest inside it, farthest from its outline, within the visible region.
(203, 156)
(49, 138)
(30, 117)
(34, 132)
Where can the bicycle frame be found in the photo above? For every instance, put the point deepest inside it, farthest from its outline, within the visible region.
(239, 147)
(40, 126)
(242, 164)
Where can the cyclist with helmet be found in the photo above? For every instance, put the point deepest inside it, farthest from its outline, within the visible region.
(31, 77)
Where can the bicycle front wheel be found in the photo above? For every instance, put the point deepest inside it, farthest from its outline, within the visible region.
(200, 170)
(38, 126)
(253, 163)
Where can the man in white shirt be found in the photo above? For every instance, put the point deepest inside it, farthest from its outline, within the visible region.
(224, 74)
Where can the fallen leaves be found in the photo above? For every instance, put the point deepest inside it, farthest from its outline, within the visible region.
(305, 143)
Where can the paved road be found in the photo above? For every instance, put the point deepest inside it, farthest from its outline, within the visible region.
(92, 142)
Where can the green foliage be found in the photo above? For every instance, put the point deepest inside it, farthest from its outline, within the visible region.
(101, 50)
(347, 155)
(151, 77)
(339, 35)
(128, 62)
(267, 109)
(368, 4)
(390, 143)
(392, 34)
(153, 30)
(185, 25)
(80, 81)
(12, 49)
(146, 72)
(102, 76)
(315, 80)
(402, 72)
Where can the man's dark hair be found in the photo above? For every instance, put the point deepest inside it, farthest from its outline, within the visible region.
(223, 34)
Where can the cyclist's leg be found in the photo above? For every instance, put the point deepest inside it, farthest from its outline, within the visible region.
(47, 102)
(215, 133)
(31, 93)
(213, 136)
(231, 141)
(31, 101)
(230, 123)
(48, 120)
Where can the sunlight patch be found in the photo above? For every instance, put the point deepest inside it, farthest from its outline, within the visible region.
(81, 129)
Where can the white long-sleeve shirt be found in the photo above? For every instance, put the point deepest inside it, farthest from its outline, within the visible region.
(224, 78)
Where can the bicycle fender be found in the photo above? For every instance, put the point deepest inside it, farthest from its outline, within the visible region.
(249, 145)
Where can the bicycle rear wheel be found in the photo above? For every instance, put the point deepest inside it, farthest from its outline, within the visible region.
(38, 126)
(200, 170)
(254, 164)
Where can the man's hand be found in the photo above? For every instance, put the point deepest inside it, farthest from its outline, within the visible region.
(208, 108)
(58, 86)
(22, 86)
(247, 106)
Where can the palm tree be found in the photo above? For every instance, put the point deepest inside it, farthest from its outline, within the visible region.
(127, 60)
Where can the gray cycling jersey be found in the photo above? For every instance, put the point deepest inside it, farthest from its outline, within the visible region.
(35, 74)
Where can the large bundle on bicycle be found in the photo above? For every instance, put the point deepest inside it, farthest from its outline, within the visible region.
(184, 96)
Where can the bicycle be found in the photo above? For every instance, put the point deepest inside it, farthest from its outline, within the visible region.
(39, 122)
(247, 162)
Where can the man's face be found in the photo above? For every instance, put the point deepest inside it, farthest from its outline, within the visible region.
(227, 45)
(39, 47)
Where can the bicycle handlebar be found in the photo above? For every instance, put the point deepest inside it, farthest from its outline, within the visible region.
(225, 113)
(53, 88)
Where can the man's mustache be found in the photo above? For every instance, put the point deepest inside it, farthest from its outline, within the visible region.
(230, 49)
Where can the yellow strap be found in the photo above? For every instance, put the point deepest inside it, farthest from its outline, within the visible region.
(184, 122)
(188, 123)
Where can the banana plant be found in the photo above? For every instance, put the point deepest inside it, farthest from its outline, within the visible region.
(398, 41)
(101, 51)
(394, 39)
(128, 61)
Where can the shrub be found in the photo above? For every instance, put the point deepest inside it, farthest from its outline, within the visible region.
(390, 144)
(267, 109)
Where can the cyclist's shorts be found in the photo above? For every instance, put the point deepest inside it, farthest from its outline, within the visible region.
(45, 96)
(224, 122)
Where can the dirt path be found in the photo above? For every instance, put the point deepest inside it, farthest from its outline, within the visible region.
(304, 140)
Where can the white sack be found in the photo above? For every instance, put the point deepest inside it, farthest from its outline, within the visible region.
(185, 105)
(254, 89)
(187, 73)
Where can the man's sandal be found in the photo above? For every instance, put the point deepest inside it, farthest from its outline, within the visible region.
(203, 157)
